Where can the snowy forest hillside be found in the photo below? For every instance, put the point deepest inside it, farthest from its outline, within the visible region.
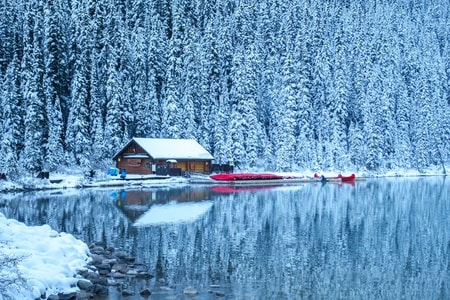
(281, 85)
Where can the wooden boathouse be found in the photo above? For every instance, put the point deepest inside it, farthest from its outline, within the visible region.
(163, 156)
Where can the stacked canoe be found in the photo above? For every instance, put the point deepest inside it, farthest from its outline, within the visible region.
(272, 178)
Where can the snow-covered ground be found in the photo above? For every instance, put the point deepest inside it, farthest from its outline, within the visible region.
(67, 181)
(36, 260)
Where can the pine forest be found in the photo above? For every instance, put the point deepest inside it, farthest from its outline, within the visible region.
(266, 84)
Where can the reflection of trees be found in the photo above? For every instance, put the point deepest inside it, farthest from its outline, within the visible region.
(87, 214)
(381, 239)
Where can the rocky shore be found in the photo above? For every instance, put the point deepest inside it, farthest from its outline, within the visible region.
(108, 267)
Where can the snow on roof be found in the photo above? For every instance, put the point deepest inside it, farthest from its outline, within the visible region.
(173, 148)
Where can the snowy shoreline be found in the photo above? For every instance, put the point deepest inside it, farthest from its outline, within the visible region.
(64, 181)
(38, 261)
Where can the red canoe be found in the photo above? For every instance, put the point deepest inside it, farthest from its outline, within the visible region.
(245, 176)
(340, 176)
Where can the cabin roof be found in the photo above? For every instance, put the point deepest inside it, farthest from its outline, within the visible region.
(163, 149)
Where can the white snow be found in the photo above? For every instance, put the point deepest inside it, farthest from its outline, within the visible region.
(64, 181)
(173, 148)
(46, 261)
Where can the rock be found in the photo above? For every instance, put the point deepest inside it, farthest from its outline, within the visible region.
(109, 267)
(116, 275)
(143, 275)
(109, 261)
(100, 289)
(96, 259)
(121, 254)
(104, 267)
(122, 268)
(113, 282)
(97, 250)
(132, 272)
(91, 276)
(63, 296)
(127, 293)
(103, 272)
(145, 292)
(85, 285)
(98, 280)
(190, 291)
(83, 295)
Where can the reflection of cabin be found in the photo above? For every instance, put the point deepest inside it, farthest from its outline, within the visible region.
(134, 203)
(163, 156)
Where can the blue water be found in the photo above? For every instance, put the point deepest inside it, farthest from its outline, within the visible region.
(375, 239)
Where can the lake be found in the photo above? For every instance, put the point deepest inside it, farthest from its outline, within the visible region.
(383, 238)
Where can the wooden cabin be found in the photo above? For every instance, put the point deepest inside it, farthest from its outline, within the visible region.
(155, 156)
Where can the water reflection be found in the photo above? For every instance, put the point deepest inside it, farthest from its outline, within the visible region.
(173, 213)
(386, 238)
(134, 203)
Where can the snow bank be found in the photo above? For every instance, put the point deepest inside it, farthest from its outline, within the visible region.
(46, 261)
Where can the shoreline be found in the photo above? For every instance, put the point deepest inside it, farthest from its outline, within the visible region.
(64, 182)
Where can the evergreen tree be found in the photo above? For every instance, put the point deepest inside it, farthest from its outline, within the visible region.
(170, 101)
(141, 109)
(245, 127)
(115, 121)
(32, 157)
(157, 63)
(11, 32)
(53, 85)
(78, 139)
(191, 96)
(11, 116)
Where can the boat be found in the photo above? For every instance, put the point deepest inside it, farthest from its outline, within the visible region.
(245, 176)
(258, 178)
(341, 177)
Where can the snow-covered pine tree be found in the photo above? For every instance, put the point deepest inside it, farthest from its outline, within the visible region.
(115, 121)
(245, 126)
(191, 94)
(171, 106)
(11, 116)
(32, 157)
(140, 104)
(78, 139)
(54, 84)
(221, 114)
(287, 114)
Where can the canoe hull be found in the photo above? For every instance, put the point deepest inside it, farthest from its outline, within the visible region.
(351, 177)
(245, 176)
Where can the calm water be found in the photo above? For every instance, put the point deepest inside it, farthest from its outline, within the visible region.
(377, 239)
